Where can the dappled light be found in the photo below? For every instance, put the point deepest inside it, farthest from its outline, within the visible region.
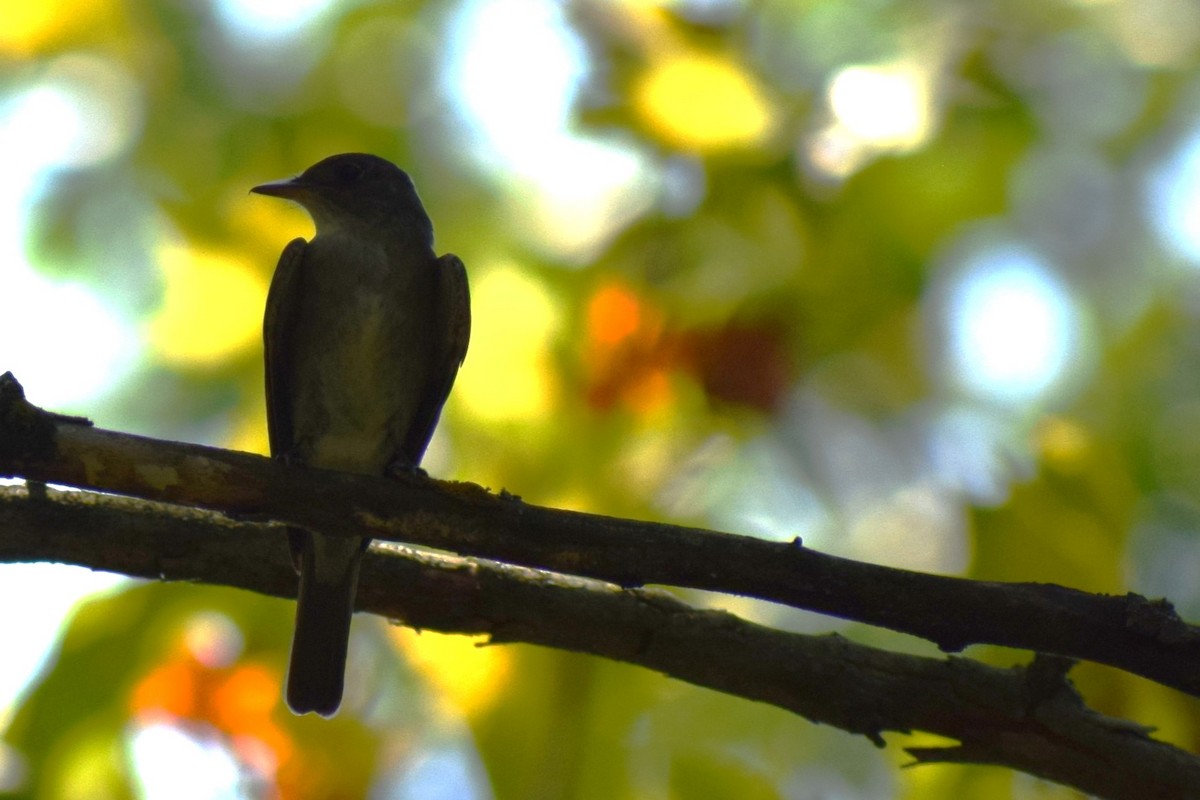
(911, 284)
(629, 355)
(466, 673)
(507, 377)
(168, 759)
(568, 191)
(268, 19)
(885, 106)
(703, 102)
(1173, 196)
(79, 115)
(1012, 331)
(212, 306)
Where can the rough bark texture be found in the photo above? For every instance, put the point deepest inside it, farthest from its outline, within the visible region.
(1028, 718)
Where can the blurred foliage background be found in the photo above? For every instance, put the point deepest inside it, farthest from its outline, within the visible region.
(914, 280)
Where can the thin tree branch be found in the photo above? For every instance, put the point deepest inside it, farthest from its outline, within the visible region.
(1025, 718)
(1141, 636)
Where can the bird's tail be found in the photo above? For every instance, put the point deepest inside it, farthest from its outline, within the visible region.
(328, 580)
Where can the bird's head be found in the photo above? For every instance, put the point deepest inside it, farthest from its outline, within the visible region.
(354, 189)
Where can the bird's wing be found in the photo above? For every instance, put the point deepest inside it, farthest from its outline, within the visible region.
(452, 334)
(279, 324)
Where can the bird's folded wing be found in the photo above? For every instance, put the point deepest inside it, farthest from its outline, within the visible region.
(453, 320)
(279, 321)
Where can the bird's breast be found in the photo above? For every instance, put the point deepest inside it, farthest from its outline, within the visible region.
(363, 354)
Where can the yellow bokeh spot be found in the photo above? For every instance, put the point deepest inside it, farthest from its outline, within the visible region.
(26, 25)
(507, 374)
(704, 102)
(31, 27)
(468, 676)
(212, 306)
(249, 433)
(89, 766)
(270, 220)
(1063, 443)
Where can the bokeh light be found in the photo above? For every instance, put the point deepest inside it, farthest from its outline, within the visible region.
(172, 763)
(758, 489)
(269, 19)
(885, 106)
(443, 774)
(726, 270)
(1173, 197)
(976, 452)
(872, 109)
(46, 593)
(468, 676)
(569, 192)
(514, 69)
(514, 320)
(66, 344)
(1012, 327)
(1156, 33)
(704, 102)
(213, 639)
(212, 306)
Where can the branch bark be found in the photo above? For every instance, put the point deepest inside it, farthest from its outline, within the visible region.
(1141, 636)
(1027, 718)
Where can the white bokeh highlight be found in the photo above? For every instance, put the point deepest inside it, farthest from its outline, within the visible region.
(269, 19)
(1012, 328)
(513, 71)
(60, 339)
(170, 763)
(885, 106)
(1173, 198)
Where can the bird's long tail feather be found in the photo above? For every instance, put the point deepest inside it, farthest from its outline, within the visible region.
(328, 580)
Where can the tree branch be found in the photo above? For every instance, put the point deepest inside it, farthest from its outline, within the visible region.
(1026, 718)
(1141, 636)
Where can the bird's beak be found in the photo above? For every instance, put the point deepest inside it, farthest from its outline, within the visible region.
(291, 188)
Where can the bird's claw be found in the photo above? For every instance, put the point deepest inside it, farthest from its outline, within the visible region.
(399, 470)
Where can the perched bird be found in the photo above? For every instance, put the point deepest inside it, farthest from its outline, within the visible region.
(364, 332)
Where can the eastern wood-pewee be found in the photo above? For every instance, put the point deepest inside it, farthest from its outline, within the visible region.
(365, 329)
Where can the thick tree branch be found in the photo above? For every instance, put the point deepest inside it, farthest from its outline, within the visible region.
(1024, 718)
(1135, 634)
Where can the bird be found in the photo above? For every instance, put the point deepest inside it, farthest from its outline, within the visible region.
(364, 331)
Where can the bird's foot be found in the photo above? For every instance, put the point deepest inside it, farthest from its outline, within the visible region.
(400, 470)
